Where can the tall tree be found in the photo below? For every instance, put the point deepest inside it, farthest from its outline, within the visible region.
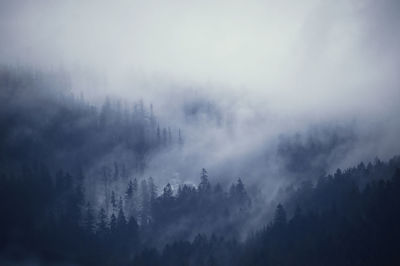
(102, 221)
(204, 185)
(113, 223)
(121, 220)
(113, 202)
(145, 203)
(167, 191)
(152, 193)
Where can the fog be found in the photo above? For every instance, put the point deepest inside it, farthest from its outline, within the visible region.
(238, 77)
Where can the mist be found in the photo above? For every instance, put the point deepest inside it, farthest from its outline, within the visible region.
(267, 68)
(229, 108)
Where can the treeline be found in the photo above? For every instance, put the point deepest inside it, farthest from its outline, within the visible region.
(48, 217)
(42, 121)
(101, 211)
(340, 220)
(349, 218)
(336, 222)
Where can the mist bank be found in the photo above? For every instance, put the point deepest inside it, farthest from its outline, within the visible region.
(51, 219)
(315, 60)
(229, 134)
(251, 85)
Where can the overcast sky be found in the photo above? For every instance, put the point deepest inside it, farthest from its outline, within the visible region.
(329, 49)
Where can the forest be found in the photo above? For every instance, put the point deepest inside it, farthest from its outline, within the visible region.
(74, 191)
(199, 133)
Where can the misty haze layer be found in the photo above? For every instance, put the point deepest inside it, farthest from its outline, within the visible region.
(265, 67)
(167, 128)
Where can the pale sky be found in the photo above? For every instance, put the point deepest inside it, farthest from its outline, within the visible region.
(326, 48)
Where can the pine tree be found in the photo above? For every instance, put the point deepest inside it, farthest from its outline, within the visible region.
(131, 197)
(113, 223)
(120, 204)
(204, 185)
(121, 220)
(102, 221)
(129, 191)
(152, 191)
(113, 201)
(167, 192)
(238, 194)
(145, 210)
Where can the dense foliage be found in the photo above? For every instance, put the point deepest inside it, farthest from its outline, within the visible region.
(338, 221)
(72, 191)
(42, 121)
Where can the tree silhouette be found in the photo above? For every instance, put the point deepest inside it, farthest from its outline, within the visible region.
(204, 185)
